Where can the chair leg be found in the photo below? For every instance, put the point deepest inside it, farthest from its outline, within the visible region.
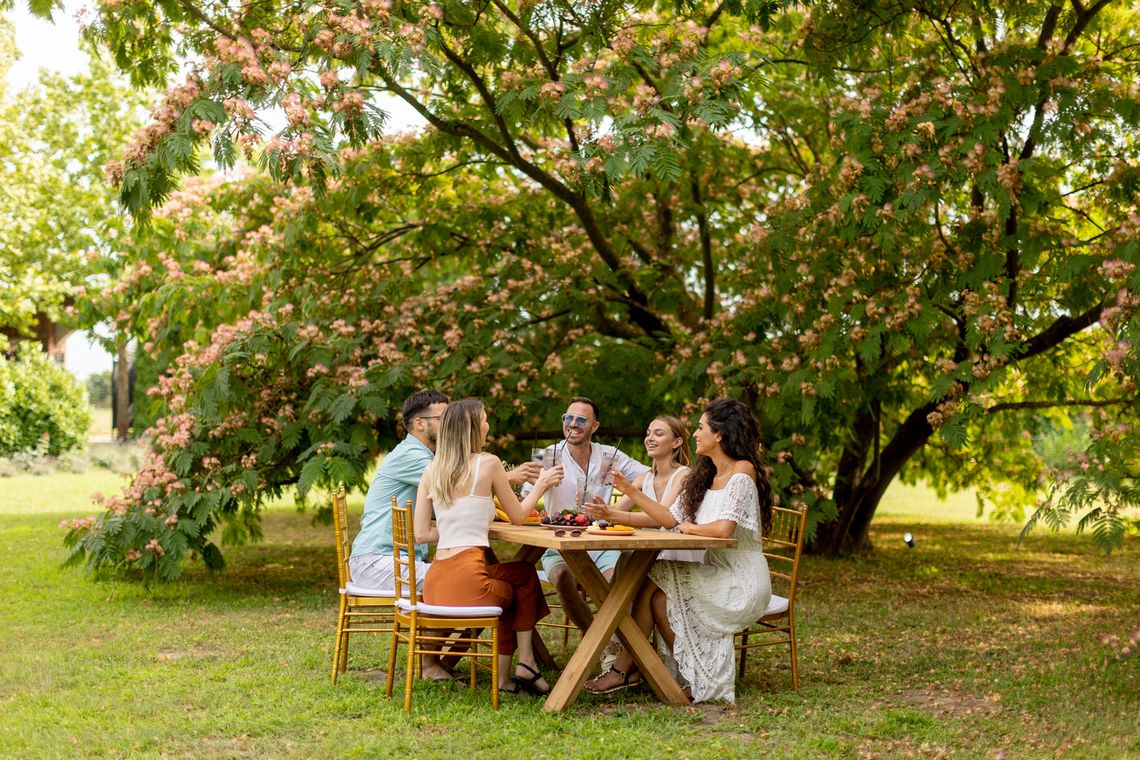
(344, 648)
(495, 668)
(410, 671)
(340, 639)
(792, 644)
(743, 655)
(392, 658)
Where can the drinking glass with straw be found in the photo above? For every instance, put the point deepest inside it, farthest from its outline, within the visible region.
(606, 476)
(538, 454)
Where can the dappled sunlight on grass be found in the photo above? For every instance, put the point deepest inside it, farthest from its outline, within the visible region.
(58, 493)
(1060, 609)
(907, 501)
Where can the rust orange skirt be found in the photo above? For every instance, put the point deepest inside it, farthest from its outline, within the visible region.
(467, 580)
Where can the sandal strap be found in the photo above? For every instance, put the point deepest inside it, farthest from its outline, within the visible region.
(535, 675)
(625, 674)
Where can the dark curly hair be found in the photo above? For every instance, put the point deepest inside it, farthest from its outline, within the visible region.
(740, 439)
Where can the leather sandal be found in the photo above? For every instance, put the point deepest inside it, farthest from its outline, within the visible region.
(530, 685)
(626, 682)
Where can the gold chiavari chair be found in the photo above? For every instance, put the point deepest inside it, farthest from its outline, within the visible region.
(362, 610)
(425, 628)
(782, 548)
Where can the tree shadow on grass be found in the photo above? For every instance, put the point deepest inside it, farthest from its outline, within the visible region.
(294, 562)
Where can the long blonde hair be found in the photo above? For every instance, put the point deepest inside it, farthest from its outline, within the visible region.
(459, 436)
(677, 428)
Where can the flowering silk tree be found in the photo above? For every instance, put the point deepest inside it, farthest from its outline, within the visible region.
(904, 234)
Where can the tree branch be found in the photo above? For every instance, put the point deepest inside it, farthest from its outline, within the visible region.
(1016, 405)
(706, 248)
(540, 51)
(1064, 327)
(1083, 20)
(484, 93)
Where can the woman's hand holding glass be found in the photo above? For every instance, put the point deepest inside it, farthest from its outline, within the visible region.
(621, 482)
(549, 478)
(527, 472)
(599, 510)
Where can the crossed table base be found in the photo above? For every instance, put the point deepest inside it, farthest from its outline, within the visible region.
(613, 601)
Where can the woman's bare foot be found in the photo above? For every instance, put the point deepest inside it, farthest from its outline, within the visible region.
(435, 673)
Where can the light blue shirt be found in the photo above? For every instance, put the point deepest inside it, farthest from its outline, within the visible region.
(398, 475)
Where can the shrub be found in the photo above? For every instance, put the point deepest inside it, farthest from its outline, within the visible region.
(43, 409)
(99, 388)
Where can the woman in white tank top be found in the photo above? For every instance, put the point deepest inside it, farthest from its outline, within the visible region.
(667, 443)
(458, 487)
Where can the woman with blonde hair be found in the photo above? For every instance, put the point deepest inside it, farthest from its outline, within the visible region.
(458, 487)
(667, 443)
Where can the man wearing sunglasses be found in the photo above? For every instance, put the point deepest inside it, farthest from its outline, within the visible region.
(399, 475)
(582, 458)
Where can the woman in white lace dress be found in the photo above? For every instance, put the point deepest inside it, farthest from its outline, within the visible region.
(698, 607)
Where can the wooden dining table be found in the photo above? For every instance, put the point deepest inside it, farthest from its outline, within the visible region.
(613, 600)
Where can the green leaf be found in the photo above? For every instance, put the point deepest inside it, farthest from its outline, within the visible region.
(313, 470)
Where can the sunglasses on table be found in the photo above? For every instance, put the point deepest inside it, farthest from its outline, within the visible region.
(573, 533)
(575, 420)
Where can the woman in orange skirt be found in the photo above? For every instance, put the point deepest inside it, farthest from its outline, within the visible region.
(457, 488)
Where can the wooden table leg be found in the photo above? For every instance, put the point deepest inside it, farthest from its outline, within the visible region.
(648, 662)
(612, 614)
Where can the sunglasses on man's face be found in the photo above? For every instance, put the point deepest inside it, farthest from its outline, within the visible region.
(575, 420)
(573, 533)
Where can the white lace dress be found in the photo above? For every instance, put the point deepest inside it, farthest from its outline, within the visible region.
(707, 603)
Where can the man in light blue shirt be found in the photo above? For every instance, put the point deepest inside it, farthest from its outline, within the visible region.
(371, 562)
(399, 475)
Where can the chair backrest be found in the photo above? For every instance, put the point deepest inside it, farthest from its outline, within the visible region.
(782, 547)
(403, 551)
(340, 521)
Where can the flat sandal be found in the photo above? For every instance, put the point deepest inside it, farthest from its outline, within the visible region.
(530, 685)
(626, 675)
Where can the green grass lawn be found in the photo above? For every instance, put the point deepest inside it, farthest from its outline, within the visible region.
(101, 420)
(965, 646)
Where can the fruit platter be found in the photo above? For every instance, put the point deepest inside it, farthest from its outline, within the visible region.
(606, 528)
(570, 519)
(566, 519)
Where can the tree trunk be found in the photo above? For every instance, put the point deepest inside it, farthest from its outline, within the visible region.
(122, 392)
(857, 503)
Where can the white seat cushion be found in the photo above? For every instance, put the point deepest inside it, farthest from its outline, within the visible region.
(442, 611)
(542, 576)
(355, 590)
(776, 606)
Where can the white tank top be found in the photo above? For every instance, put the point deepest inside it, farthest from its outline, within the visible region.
(648, 489)
(465, 521)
